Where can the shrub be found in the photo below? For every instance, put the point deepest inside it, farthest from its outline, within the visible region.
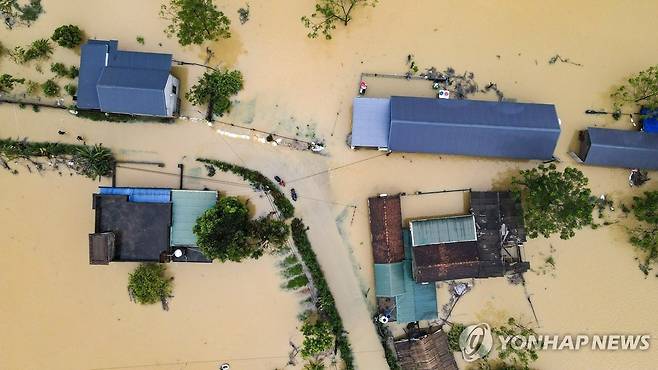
(39, 49)
(68, 36)
(71, 89)
(453, 336)
(140, 40)
(148, 284)
(317, 338)
(258, 181)
(8, 81)
(61, 70)
(50, 88)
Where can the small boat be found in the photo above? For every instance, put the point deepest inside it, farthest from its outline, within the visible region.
(293, 194)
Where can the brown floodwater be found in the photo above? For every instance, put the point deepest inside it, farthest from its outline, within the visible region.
(60, 313)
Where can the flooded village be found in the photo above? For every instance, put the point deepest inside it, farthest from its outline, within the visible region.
(353, 202)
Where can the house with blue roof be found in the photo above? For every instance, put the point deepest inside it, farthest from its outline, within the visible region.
(126, 82)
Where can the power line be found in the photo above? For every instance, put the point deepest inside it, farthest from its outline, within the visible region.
(224, 182)
(339, 167)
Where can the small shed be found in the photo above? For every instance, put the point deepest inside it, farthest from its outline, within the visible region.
(429, 351)
(618, 148)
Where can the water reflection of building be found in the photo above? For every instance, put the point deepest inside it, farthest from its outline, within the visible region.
(486, 243)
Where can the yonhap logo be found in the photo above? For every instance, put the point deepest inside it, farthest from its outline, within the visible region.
(475, 341)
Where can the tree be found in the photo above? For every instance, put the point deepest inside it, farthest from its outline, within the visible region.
(148, 284)
(314, 365)
(38, 49)
(453, 336)
(195, 21)
(93, 161)
(215, 88)
(270, 234)
(222, 231)
(645, 236)
(50, 88)
(318, 338)
(71, 89)
(68, 36)
(554, 201)
(13, 13)
(520, 357)
(641, 89)
(329, 12)
(8, 81)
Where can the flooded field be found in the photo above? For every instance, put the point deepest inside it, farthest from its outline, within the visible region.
(60, 313)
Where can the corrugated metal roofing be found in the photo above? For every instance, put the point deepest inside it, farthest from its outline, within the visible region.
(122, 81)
(622, 148)
(472, 127)
(419, 301)
(443, 230)
(139, 195)
(188, 205)
(389, 279)
(371, 120)
(385, 216)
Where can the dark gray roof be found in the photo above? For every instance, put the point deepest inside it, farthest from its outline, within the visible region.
(122, 81)
(620, 148)
(371, 120)
(473, 127)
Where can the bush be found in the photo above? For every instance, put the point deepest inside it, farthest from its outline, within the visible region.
(39, 49)
(8, 81)
(258, 181)
(68, 36)
(62, 71)
(453, 336)
(148, 284)
(317, 338)
(50, 88)
(71, 89)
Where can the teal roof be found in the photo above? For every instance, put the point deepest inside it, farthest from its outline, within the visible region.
(406, 240)
(443, 230)
(187, 206)
(389, 279)
(419, 301)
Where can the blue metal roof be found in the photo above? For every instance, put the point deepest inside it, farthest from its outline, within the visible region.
(122, 81)
(622, 148)
(139, 195)
(371, 121)
(473, 127)
(650, 120)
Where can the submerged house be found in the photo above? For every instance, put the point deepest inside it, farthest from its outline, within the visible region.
(147, 225)
(127, 82)
(618, 148)
(425, 349)
(485, 243)
(461, 127)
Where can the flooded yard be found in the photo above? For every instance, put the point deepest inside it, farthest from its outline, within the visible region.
(61, 313)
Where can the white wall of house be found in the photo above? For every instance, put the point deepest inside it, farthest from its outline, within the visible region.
(172, 90)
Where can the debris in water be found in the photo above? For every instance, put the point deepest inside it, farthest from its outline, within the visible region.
(557, 58)
(244, 14)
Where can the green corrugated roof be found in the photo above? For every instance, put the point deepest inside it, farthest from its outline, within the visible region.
(443, 230)
(187, 206)
(419, 301)
(389, 279)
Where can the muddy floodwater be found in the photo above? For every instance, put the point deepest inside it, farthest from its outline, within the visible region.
(58, 312)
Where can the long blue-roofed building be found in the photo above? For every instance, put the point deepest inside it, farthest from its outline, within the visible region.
(618, 148)
(461, 127)
(126, 82)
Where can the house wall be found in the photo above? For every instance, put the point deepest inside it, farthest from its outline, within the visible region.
(171, 99)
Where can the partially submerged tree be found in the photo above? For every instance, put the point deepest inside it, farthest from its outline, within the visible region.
(554, 201)
(50, 88)
(93, 161)
(68, 36)
(645, 236)
(148, 284)
(215, 89)
(195, 21)
(318, 338)
(520, 357)
(641, 89)
(225, 232)
(329, 12)
(8, 81)
(37, 50)
(13, 13)
(61, 70)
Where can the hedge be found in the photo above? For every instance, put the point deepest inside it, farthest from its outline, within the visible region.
(326, 304)
(258, 181)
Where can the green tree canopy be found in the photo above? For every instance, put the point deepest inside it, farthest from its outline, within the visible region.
(195, 21)
(554, 201)
(645, 236)
(68, 36)
(519, 357)
(318, 338)
(641, 89)
(148, 284)
(8, 81)
(50, 88)
(226, 232)
(215, 89)
(328, 13)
